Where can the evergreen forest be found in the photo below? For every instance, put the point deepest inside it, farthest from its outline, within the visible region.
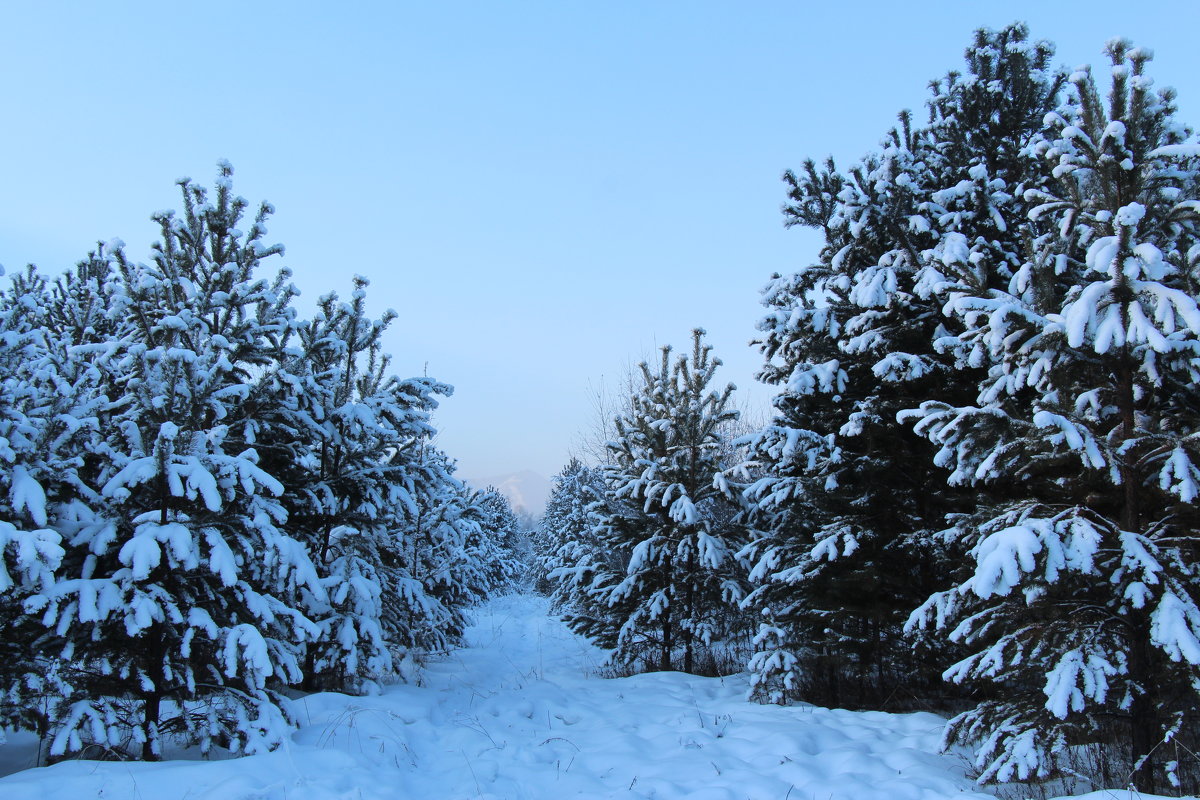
(977, 492)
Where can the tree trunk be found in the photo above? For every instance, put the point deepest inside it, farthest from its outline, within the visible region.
(1130, 477)
(1143, 734)
(310, 669)
(881, 689)
(667, 643)
(688, 633)
(151, 708)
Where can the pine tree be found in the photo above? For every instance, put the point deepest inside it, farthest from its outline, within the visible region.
(849, 544)
(52, 402)
(574, 489)
(346, 434)
(465, 553)
(671, 514)
(578, 566)
(428, 579)
(178, 450)
(1080, 608)
(502, 529)
(176, 611)
(30, 550)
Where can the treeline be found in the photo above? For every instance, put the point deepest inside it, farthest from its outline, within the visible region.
(207, 501)
(979, 486)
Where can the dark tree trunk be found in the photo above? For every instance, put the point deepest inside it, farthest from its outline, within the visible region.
(668, 631)
(151, 708)
(310, 683)
(1143, 735)
(688, 633)
(667, 643)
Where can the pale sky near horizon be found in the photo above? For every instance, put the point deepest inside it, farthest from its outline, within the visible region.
(545, 191)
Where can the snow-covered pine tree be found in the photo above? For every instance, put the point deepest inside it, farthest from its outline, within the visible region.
(161, 598)
(566, 519)
(423, 609)
(848, 544)
(51, 404)
(462, 573)
(346, 435)
(36, 453)
(681, 581)
(1080, 609)
(500, 525)
(78, 311)
(177, 603)
(575, 565)
(446, 563)
(410, 481)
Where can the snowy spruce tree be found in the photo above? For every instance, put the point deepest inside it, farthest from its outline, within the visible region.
(445, 559)
(346, 437)
(463, 573)
(175, 613)
(434, 579)
(670, 515)
(502, 528)
(54, 396)
(204, 501)
(567, 519)
(839, 489)
(579, 567)
(1079, 610)
(47, 415)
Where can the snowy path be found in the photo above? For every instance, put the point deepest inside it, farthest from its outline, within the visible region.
(520, 714)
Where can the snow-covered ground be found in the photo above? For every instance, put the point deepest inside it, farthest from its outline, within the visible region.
(521, 713)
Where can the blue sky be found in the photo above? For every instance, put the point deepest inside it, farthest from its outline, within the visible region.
(545, 191)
